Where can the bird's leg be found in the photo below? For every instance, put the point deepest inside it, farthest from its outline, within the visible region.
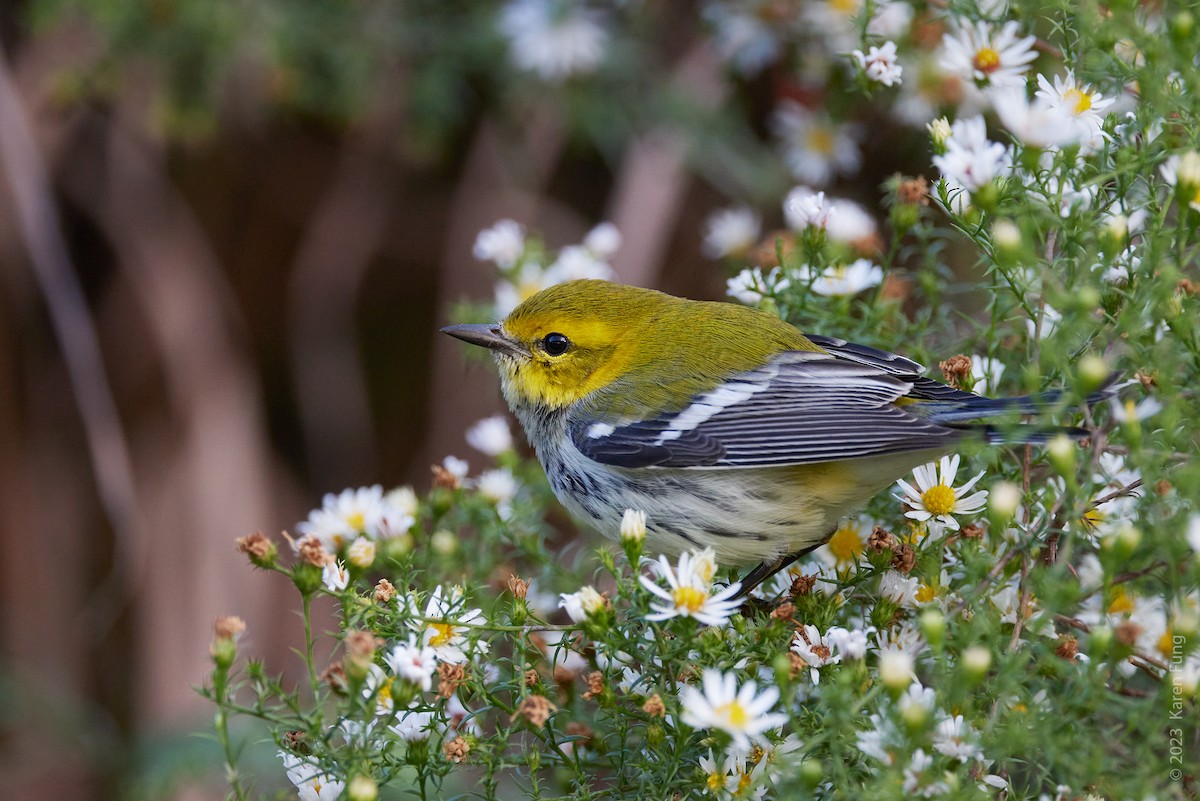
(767, 569)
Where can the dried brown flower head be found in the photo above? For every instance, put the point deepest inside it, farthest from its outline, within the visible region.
(532, 677)
(313, 552)
(361, 644)
(785, 611)
(518, 586)
(450, 678)
(881, 540)
(443, 478)
(258, 548)
(1127, 633)
(904, 558)
(654, 706)
(1068, 647)
(536, 709)
(595, 683)
(955, 369)
(914, 190)
(456, 750)
(803, 585)
(385, 591)
(229, 627)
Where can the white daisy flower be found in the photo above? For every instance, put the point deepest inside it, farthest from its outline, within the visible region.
(816, 148)
(935, 499)
(845, 548)
(335, 576)
(742, 38)
(502, 244)
(879, 64)
(491, 436)
(377, 689)
(850, 643)
(1127, 412)
(576, 262)
(810, 646)
(456, 467)
(920, 779)
(688, 594)
(1084, 106)
(849, 222)
(1183, 172)
(499, 486)
(582, 604)
(752, 286)
(310, 783)
(804, 208)
(414, 662)
(980, 53)
(445, 624)
(742, 713)
(720, 775)
(729, 232)
(633, 525)
(1038, 123)
(955, 738)
(551, 40)
(970, 160)
(604, 240)
(842, 279)
(898, 588)
(344, 516)
(413, 725)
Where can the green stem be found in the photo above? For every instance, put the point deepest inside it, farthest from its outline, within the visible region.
(221, 724)
(308, 647)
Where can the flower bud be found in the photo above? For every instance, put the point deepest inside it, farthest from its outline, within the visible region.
(1006, 237)
(361, 553)
(1100, 641)
(1123, 543)
(633, 534)
(939, 132)
(896, 670)
(812, 772)
(655, 735)
(443, 542)
(362, 788)
(933, 626)
(976, 661)
(226, 632)
(1003, 502)
(1093, 371)
(915, 716)
(1061, 451)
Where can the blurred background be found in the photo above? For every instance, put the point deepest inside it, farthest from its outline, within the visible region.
(229, 232)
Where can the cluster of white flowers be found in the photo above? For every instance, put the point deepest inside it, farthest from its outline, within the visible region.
(526, 270)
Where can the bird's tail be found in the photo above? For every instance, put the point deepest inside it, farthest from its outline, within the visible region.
(965, 407)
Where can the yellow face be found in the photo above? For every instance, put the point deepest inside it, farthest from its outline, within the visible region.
(569, 357)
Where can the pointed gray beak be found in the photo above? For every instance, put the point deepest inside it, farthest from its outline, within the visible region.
(490, 336)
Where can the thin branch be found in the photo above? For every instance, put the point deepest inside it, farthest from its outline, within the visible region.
(40, 226)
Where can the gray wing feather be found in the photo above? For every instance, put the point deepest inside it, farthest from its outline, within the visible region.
(801, 408)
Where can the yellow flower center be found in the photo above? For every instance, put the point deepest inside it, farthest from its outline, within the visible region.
(1166, 644)
(383, 695)
(847, 8)
(938, 500)
(846, 545)
(820, 140)
(735, 713)
(926, 593)
(986, 60)
(356, 521)
(1121, 602)
(689, 599)
(743, 784)
(444, 633)
(1079, 101)
(715, 782)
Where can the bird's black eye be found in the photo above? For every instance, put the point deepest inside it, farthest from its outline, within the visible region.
(555, 344)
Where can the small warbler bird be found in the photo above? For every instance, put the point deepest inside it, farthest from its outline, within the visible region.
(725, 425)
